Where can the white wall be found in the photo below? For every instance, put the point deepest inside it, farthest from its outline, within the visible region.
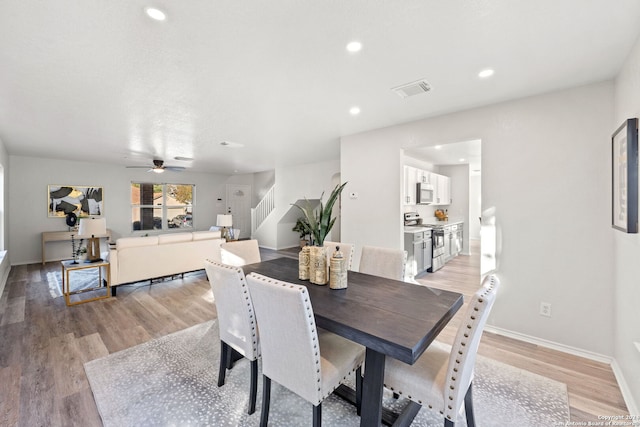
(294, 183)
(475, 205)
(626, 249)
(262, 182)
(545, 169)
(30, 177)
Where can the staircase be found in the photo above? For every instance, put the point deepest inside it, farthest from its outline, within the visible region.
(262, 210)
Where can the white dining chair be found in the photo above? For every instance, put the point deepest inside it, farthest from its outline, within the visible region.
(294, 353)
(384, 262)
(236, 321)
(345, 248)
(239, 253)
(442, 378)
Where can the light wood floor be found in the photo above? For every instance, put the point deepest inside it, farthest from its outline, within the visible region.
(43, 343)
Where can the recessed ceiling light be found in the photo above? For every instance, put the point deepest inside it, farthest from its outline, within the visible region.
(437, 147)
(156, 14)
(486, 73)
(354, 46)
(354, 111)
(462, 160)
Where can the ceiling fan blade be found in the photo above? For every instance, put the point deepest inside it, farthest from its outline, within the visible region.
(175, 168)
(137, 167)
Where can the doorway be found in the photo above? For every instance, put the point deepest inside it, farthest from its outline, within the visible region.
(239, 205)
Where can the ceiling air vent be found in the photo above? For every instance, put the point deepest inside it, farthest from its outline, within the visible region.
(413, 88)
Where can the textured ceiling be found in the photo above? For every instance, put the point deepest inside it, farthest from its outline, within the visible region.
(108, 84)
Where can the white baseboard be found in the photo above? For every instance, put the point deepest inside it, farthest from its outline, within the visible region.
(622, 383)
(624, 388)
(551, 344)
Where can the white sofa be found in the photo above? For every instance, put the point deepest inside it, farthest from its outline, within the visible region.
(143, 258)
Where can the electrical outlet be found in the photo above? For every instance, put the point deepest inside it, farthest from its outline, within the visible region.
(545, 309)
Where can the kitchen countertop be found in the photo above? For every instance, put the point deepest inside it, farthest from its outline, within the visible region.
(416, 229)
(434, 221)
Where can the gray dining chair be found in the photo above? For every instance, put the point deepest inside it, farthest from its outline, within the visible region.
(345, 248)
(310, 363)
(241, 252)
(236, 321)
(442, 378)
(383, 262)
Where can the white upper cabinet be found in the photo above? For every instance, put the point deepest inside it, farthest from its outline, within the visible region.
(442, 190)
(410, 181)
(441, 186)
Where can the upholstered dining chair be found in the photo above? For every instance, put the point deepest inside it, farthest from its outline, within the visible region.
(236, 321)
(384, 262)
(442, 377)
(294, 353)
(241, 252)
(345, 248)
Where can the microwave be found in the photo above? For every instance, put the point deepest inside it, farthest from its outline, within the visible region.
(424, 194)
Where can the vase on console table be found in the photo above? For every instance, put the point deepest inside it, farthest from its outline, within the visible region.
(318, 265)
(304, 263)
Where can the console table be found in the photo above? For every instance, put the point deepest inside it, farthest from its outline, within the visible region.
(58, 236)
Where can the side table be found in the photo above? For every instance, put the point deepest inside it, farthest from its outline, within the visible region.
(68, 266)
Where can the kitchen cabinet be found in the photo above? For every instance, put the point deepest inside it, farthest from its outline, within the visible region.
(410, 181)
(418, 246)
(442, 186)
(448, 244)
(457, 240)
(453, 241)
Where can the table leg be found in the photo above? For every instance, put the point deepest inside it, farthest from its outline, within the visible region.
(66, 286)
(372, 387)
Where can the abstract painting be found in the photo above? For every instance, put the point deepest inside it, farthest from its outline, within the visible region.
(83, 201)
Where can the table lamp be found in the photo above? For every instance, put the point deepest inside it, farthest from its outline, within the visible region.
(225, 221)
(92, 227)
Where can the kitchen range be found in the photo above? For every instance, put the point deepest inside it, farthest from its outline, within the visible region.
(430, 246)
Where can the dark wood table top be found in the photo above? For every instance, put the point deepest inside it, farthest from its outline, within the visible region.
(395, 318)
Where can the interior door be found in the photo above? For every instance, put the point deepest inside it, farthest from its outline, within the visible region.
(239, 205)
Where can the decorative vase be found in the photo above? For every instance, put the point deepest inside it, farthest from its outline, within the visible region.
(303, 263)
(337, 270)
(318, 265)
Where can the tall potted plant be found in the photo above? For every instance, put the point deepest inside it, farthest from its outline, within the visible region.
(318, 224)
(302, 231)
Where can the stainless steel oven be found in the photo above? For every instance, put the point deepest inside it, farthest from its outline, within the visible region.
(438, 249)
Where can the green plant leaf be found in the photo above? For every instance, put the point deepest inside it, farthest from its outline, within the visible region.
(319, 221)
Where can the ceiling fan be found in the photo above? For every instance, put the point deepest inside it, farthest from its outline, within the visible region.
(159, 167)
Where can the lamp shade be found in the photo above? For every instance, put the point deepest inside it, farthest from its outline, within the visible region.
(92, 227)
(224, 220)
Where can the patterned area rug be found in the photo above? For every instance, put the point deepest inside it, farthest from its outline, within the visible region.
(172, 381)
(79, 279)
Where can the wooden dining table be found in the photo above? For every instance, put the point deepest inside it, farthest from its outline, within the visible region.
(389, 317)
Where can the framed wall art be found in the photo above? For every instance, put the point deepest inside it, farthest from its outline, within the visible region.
(82, 201)
(624, 168)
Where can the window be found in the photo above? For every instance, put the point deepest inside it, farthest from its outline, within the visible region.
(161, 206)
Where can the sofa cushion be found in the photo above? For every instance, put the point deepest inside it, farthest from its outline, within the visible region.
(134, 242)
(174, 238)
(205, 235)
